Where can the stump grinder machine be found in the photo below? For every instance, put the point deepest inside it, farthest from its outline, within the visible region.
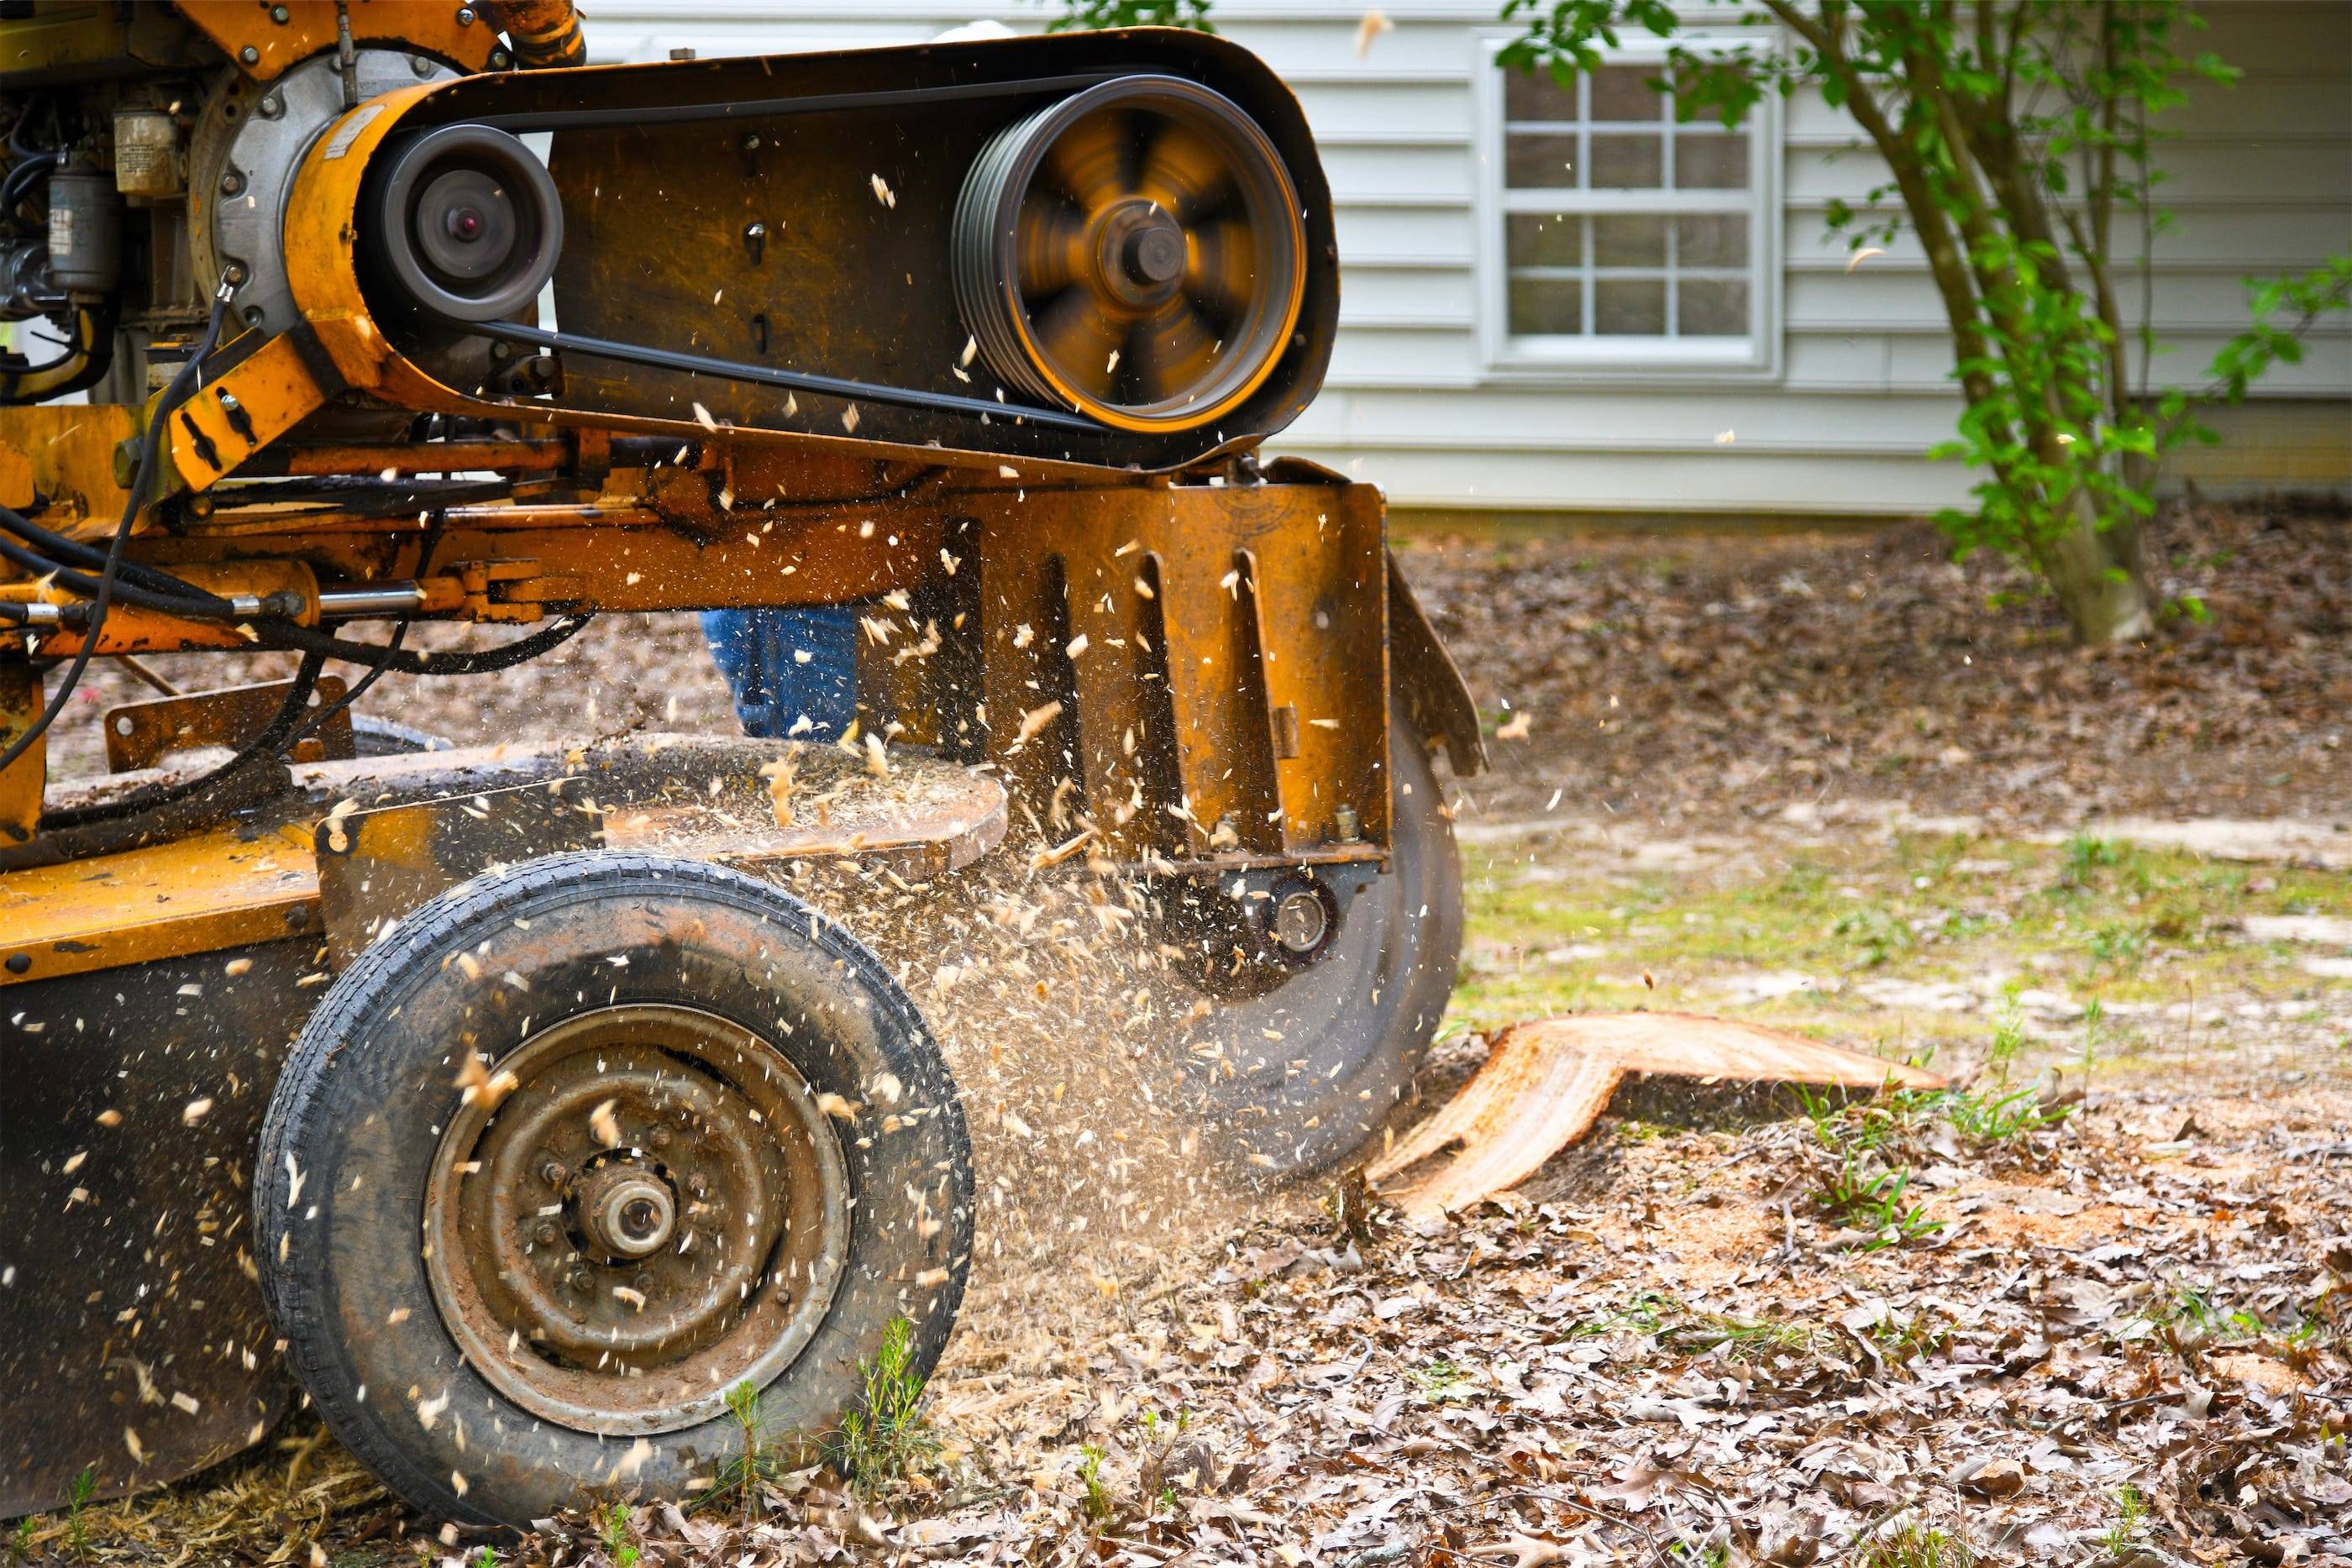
(494, 1099)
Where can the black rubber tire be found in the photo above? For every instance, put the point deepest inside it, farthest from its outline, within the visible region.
(383, 738)
(1356, 1023)
(359, 1107)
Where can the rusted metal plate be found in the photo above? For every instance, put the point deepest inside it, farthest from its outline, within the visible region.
(1547, 1082)
(1197, 614)
(139, 734)
(375, 866)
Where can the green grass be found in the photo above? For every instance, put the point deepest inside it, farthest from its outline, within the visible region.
(884, 1437)
(1095, 1497)
(741, 1479)
(1911, 1544)
(619, 1536)
(1557, 928)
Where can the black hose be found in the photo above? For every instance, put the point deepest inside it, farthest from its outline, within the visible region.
(188, 603)
(150, 442)
(284, 726)
(276, 633)
(60, 549)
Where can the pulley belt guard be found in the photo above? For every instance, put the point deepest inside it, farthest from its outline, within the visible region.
(792, 215)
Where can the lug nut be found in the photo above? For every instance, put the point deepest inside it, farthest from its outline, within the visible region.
(545, 1234)
(553, 1173)
(232, 183)
(660, 1139)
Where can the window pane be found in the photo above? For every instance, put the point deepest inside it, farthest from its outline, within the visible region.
(1539, 162)
(1707, 163)
(1713, 308)
(1717, 240)
(1547, 305)
(1623, 92)
(1539, 241)
(1536, 96)
(1623, 241)
(1629, 306)
(1626, 162)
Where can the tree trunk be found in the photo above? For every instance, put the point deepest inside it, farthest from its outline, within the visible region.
(2100, 580)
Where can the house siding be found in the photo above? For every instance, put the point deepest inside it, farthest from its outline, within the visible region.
(1858, 387)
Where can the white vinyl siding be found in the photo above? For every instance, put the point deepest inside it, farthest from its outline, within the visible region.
(1856, 384)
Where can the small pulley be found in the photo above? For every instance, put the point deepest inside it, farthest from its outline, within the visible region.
(1134, 251)
(468, 223)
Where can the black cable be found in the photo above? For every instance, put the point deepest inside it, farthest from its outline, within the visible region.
(276, 633)
(202, 606)
(150, 442)
(60, 549)
(399, 635)
(281, 729)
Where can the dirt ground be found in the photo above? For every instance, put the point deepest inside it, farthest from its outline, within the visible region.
(2088, 1307)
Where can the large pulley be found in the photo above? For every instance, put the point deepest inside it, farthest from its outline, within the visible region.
(1134, 251)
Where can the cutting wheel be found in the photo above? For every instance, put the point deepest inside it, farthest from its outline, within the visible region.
(1134, 251)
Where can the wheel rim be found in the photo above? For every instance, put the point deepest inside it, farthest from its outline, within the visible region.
(1134, 251)
(656, 1211)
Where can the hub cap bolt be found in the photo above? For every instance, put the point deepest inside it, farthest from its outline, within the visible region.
(545, 1234)
(698, 1185)
(232, 183)
(661, 1137)
(553, 1173)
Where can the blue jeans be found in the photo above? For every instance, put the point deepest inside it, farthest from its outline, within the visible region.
(786, 665)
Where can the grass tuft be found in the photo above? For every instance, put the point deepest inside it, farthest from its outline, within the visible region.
(886, 1438)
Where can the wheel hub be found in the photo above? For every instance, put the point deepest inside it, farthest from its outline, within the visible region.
(656, 1212)
(1139, 252)
(626, 1209)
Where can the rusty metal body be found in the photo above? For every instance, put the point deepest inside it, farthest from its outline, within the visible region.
(757, 390)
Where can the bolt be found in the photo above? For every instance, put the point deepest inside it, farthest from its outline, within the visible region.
(751, 142)
(661, 1137)
(200, 506)
(465, 15)
(420, 65)
(681, 54)
(500, 59)
(272, 107)
(280, 14)
(232, 183)
(249, 54)
(553, 1173)
(19, 962)
(578, 1280)
(236, 274)
(1349, 826)
(501, 350)
(545, 1234)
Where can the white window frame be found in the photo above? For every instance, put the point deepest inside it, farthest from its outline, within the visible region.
(1585, 360)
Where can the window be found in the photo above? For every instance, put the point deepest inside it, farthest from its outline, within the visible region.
(1619, 238)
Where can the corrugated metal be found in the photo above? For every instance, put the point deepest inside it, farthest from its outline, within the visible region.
(2262, 181)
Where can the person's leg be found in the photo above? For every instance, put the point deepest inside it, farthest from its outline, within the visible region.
(794, 673)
